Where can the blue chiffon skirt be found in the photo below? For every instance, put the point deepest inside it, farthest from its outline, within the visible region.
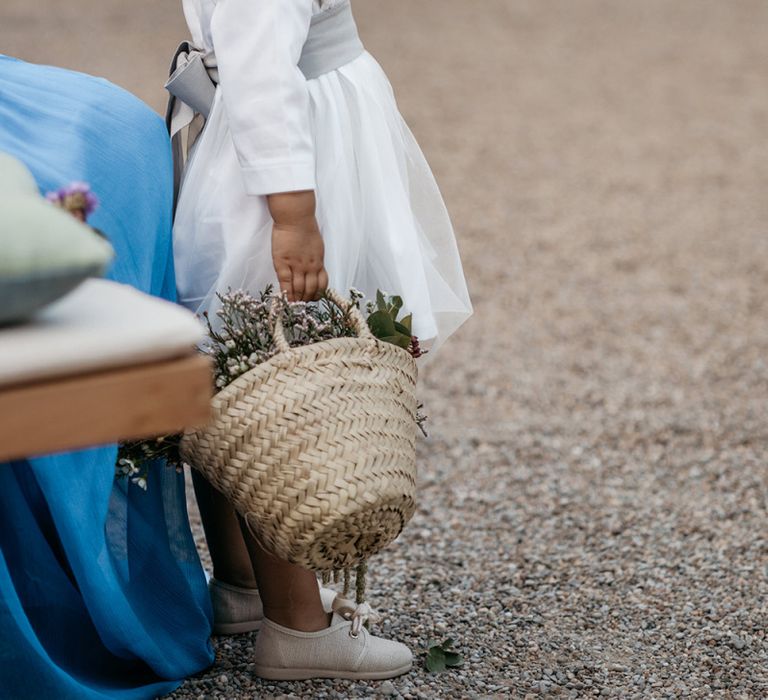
(102, 594)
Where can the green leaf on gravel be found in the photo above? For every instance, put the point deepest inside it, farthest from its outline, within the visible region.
(436, 660)
(440, 657)
(452, 659)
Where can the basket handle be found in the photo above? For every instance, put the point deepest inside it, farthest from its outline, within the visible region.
(358, 322)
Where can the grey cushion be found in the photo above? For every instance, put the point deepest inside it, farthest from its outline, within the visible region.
(15, 178)
(44, 251)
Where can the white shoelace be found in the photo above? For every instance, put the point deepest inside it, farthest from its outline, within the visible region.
(359, 615)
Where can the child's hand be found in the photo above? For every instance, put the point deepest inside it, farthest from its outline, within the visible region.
(297, 246)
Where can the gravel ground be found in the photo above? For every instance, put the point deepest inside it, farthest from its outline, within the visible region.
(593, 496)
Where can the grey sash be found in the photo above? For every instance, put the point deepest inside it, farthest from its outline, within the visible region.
(331, 43)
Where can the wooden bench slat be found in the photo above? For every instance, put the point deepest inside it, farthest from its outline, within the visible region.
(103, 407)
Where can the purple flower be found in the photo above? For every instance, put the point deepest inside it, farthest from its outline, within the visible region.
(76, 196)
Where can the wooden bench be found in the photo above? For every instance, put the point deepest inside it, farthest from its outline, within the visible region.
(103, 364)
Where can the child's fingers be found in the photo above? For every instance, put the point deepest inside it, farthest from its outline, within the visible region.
(298, 286)
(310, 286)
(322, 282)
(285, 279)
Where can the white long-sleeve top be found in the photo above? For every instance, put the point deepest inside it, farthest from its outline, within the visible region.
(257, 44)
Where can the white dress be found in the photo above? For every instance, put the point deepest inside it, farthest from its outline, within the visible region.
(383, 220)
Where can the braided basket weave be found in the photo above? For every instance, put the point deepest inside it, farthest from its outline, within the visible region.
(315, 448)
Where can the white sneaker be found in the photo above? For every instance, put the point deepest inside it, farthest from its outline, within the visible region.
(239, 610)
(344, 650)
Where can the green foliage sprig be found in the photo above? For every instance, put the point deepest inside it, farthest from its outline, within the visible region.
(385, 325)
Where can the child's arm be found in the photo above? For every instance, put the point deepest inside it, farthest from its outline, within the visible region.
(258, 45)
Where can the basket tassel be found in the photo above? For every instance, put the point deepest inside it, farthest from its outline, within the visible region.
(360, 575)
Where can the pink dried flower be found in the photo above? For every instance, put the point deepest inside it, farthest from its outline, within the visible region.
(415, 348)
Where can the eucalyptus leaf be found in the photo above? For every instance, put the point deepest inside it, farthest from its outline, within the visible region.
(381, 301)
(407, 323)
(402, 341)
(400, 328)
(396, 305)
(381, 324)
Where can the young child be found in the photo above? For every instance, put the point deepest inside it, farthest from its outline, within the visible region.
(304, 175)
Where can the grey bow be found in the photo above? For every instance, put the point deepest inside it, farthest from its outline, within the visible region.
(192, 87)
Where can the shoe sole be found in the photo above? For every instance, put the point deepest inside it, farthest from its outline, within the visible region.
(226, 629)
(305, 674)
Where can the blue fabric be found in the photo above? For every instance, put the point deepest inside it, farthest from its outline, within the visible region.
(102, 594)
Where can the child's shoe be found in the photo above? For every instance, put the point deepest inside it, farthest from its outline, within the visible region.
(239, 610)
(344, 650)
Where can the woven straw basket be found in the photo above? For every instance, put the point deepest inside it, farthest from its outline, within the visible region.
(315, 448)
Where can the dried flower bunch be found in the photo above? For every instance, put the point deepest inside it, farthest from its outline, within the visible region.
(242, 335)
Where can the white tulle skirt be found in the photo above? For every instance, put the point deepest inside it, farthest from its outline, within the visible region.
(381, 214)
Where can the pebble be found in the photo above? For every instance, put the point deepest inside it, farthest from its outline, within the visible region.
(388, 688)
